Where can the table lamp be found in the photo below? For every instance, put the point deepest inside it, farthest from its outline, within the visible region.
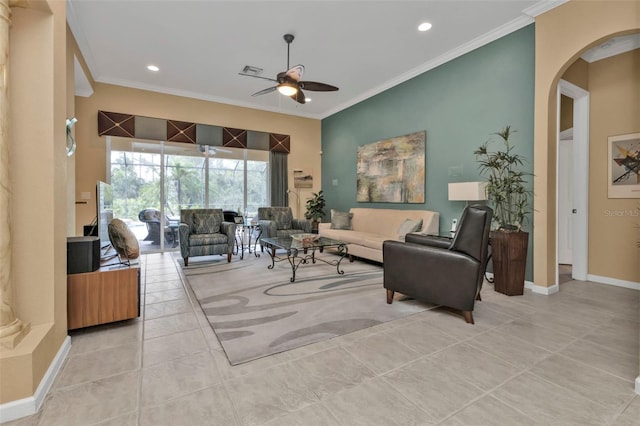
(471, 192)
(468, 191)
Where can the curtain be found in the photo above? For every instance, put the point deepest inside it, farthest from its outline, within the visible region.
(279, 179)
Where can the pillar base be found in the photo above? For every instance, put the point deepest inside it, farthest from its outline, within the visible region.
(18, 330)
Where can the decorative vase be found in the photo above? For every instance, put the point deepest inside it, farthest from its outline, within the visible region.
(509, 257)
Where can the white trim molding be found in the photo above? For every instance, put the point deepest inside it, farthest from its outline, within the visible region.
(30, 405)
(547, 291)
(638, 385)
(613, 281)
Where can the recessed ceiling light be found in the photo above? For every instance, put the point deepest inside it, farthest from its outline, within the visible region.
(153, 68)
(425, 26)
(307, 99)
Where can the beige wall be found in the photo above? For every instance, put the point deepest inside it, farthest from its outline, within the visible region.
(578, 74)
(91, 154)
(614, 86)
(562, 34)
(38, 97)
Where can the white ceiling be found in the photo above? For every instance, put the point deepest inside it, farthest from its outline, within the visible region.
(363, 47)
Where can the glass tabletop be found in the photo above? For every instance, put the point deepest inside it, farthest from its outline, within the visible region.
(288, 243)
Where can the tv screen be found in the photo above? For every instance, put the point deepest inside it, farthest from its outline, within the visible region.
(104, 200)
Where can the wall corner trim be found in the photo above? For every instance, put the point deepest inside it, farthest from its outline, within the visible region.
(547, 291)
(28, 406)
(638, 385)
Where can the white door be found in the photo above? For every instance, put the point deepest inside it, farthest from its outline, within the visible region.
(565, 202)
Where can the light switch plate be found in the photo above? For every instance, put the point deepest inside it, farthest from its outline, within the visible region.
(334, 182)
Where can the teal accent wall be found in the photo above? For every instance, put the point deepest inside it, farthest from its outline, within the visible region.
(459, 104)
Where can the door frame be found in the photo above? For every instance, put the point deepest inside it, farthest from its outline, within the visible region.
(580, 181)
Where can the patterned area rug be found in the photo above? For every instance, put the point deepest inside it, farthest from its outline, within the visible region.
(256, 311)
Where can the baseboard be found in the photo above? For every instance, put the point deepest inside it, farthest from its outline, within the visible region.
(638, 385)
(30, 405)
(613, 281)
(535, 288)
(547, 291)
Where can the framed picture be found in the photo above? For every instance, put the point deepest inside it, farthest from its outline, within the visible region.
(238, 220)
(302, 179)
(392, 170)
(624, 166)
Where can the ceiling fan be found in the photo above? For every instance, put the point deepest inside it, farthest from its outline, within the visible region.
(290, 82)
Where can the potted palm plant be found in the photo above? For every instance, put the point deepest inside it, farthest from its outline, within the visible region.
(507, 192)
(315, 209)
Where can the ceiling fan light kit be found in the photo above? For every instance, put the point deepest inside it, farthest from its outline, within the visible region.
(287, 89)
(290, 82)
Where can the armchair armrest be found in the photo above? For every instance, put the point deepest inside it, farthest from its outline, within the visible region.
(229, 229)
(428, 240)
(268, 227)
(183, 232)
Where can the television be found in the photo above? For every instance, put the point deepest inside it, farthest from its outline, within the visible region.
(104, 208)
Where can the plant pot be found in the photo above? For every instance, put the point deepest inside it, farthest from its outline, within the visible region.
(509, 256)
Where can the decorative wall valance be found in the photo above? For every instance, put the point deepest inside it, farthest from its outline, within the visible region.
(135, 126)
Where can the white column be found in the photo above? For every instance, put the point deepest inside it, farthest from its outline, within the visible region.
(12, 329)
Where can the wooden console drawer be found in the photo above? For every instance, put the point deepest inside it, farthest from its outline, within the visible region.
(103, 296)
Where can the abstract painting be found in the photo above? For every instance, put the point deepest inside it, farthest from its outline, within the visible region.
(624, 166)
(392, 170)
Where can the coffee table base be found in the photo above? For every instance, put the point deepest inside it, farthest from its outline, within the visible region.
(295, 260)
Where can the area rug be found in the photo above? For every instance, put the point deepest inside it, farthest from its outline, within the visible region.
(256, 312)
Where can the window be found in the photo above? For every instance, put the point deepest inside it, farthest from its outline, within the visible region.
(169, 177)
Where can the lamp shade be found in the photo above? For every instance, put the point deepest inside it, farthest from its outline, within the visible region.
(468, 191)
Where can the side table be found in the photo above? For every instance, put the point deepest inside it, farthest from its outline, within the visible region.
(246, 231)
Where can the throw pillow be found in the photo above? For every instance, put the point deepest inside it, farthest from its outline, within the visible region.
(409, 226)
(204, 223)
(341, 220)
(123, 240)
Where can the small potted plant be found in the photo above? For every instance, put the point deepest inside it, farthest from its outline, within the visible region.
(315, 209)
(507, 192)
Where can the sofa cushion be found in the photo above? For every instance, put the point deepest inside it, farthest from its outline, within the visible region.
(340, 220)
(205, 224)
(409, 226)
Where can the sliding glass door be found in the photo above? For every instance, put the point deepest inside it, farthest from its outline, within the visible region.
(153, 181)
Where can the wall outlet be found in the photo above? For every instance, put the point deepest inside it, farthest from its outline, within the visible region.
(454, 227)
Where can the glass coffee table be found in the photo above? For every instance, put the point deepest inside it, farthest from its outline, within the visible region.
(299, 253)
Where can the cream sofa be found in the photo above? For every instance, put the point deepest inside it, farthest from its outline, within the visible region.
(371, 227)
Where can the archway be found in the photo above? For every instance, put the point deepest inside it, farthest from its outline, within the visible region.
(561, 37)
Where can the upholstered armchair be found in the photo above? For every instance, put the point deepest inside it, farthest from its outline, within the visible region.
(441, 271)
(204, 232)
(151, 217)
(279, 222)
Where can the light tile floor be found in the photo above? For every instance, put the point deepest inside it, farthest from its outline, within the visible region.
(566, 359)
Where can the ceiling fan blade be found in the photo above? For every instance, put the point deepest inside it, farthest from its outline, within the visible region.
(314, 86)
(295, 72)
(257, 76)
(264, 91)
(299, 97)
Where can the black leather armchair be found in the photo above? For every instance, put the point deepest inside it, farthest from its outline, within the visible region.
(441, 271)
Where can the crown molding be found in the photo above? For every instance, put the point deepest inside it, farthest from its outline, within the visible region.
(200, 96)
(612, 47)
(542, 6)
(486, 38)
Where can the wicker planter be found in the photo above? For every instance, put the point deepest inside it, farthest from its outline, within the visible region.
(509, 256)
